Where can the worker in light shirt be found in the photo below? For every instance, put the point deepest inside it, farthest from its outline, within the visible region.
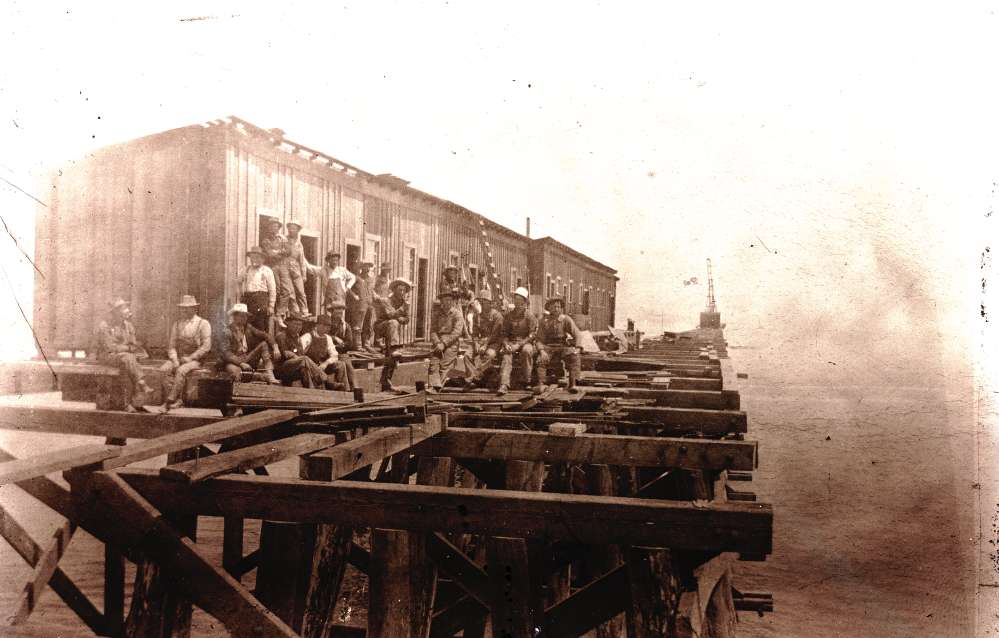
(258, 289)
(336, 283)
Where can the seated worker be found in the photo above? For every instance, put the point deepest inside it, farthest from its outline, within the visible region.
(486, 340)
(391, 313)
(340, 333)
(334, 283)
(190, 342)
(292, 364)
(236, 355)
(320, 347)
(517, 336)
(445, 335)
(116, 346)
(558, 340)
(257, 289)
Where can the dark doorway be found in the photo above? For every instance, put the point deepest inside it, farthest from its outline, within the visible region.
(422, 293)
(353, 258)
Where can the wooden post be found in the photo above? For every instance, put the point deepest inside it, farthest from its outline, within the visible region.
(330, 555)
(402, 579)
(510, 582)
(159, 608)
(655, 593)
(114, 591)
(232, 544)
(282, 575)
(603, 559)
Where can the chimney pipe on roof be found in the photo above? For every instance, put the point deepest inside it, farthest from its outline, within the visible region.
(528, 233)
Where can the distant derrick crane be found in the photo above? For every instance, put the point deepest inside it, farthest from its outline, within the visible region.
(711, 318)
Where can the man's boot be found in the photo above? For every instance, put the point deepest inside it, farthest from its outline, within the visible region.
(355, 340)
(269, 373)
(572, 381)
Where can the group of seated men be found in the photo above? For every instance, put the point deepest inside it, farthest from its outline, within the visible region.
(314, 351)
(537, 347)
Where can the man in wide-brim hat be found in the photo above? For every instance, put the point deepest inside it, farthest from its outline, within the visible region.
(258, 288)
(118, 347)
(558, 344)
(334, 287)
(277, 251)
(391, 314)
(293, 364)
(445, 335)
(189, 343)
(320, 347)
(298, 268)
(246, 348)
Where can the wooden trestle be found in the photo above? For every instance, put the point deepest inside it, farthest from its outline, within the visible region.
(607, 511)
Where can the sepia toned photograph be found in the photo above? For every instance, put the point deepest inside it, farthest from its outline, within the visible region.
(468, 320)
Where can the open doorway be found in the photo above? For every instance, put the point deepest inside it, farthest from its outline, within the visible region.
(422, 293)
(353, 258)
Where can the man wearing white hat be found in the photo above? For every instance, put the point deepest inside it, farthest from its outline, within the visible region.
(236, 356)
(517, 333)
(298, 268)
(190, 341)
(117, 346)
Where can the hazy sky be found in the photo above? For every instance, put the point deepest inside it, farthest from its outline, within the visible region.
(835, 161)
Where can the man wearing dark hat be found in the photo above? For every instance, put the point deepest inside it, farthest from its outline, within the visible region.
(517, 332)
(321, 348)
(391, 313)
(293, 364)
(258, 289)
(190, 342)
(276, 252)
(117, 346)
(486, 340)
(336, 282)
(558, 341)
(244, 348)
(359, 307)
(445, 336)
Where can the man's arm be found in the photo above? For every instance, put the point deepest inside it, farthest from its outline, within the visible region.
(225, 347)
(172, 344)
(573, 329)
(205, 334)
(348, 279)
(271, 289)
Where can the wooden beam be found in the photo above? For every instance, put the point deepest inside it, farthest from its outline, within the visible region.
(131, 520)
(592, 449)
(57, 461)
(673, 419)
(47, 563)
(744, 527)
(593, 605)
(246, 458)
(97, 422)
(211, 433)
(341, 460)
(510, 586)
(459, 568)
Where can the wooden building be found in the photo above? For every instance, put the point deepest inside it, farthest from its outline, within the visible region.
(174, 213)
(588, 286)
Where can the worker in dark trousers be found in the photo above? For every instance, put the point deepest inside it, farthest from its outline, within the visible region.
(392, 314)
(319, 347)
(117, 346)
(258, 289)
(293, 364)
(276, 252)
(486, 340)
(243, 348)
(445, 337)
(519, 329)
(558, 344)
(359, 307)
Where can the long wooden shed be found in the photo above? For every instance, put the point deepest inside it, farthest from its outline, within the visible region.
(173, 213)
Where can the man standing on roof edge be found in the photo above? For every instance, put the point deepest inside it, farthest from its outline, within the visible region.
(517, 333)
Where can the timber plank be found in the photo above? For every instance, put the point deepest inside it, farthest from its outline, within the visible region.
(347, 457)
(605, 449)
(42, 464)
(743, 527)
(593, 605)
(194, 437)
(247, 458)
(97, 422)
(459, 567)
(44, 569)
